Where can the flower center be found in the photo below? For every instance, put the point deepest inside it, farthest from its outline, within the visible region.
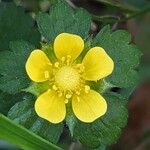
(67, 78)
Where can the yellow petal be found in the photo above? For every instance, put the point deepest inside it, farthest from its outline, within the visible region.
(51, 107)
(68, 44)
(89, 106)
(38, 66)
(97, 64)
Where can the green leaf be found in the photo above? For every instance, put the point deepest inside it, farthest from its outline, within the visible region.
(7, 101)
(102, 147)
(24, 114)
(12, 68)
(22, 137)
(37, 88)
(15, 24)
(105, 130)
(62, 18)
(71, 120)
(48, 50)
(125, 56)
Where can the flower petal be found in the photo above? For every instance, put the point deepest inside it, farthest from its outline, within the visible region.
(51, 107)
(89, 106)
(68, 44)
(38, 66)
(97, 64)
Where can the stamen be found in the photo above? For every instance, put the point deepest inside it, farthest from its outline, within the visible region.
(80, 68)
(77, 92)
(63, 59)
(66, 101)
(87, 88)
(46, 74)
(55, 87)
(68, 96)
(49, 64)
(49, 90)
(68, 59)
(60, 94)
(78, 99)
(56, 64)
(68, 62)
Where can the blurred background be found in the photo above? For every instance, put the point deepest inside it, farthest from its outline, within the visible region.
(131, 15)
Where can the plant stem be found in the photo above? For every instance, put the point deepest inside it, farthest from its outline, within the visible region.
(133, 11)
(22, 137)
(113, 18)
(124, 7)
(106, 18)
(143, 11)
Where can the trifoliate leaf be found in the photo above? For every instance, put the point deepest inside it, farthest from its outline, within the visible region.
(105, 130)
(125, 56)
(62, 18)
(12, 68)
(24, 114)
(15, 24)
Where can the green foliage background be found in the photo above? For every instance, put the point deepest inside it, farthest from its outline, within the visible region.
(20, 34)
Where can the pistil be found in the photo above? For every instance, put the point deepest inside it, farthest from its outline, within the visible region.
(68, 79)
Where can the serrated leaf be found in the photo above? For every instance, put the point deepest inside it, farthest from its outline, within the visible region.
(15, 24)
(105, 130)
(12, 68)
(24, 114)
(62, 18)
(125, 56)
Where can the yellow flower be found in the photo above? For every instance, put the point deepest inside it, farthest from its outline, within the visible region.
(68, 79)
